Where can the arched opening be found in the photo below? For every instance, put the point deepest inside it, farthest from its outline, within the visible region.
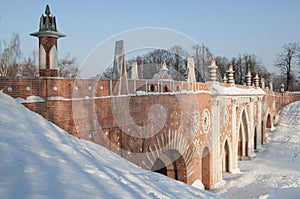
(243, 138)
(206, 168)
(255, 138)
(240, 143)
(225, 162)
(171, 164)
(151, 88)
(166, 88)
(262, 132)
(268, 124)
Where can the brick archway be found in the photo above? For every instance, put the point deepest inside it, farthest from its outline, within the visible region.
(171, 164)
(226, 157)
(206, 168)
(262, 132)
(243, 137)
(255, 138)
(268, 123)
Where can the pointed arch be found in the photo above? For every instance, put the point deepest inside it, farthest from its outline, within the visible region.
(268, 122)
(168, 154)
(171, 163)
(205, 162)
(226, 156)
(53, 58)
(243, 131)
(255, 138)
(42, 58)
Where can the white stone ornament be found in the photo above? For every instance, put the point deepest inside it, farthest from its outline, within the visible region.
(226, 116)
(195, 122)
(196, 148)
(205, 120)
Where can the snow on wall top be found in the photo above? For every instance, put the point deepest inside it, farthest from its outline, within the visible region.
(43, 161)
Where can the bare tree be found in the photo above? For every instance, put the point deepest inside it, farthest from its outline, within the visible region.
(202, 57)
(68, 67)
(29, 67)
(10, 53)
(222, 63)
(287, 60)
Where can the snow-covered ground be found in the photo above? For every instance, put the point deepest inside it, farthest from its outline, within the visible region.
(275, 172)
(39, 160)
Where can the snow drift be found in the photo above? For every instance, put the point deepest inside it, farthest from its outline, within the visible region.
(39, 160)
(275, 172)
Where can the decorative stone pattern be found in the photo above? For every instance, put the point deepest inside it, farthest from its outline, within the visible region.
(195, 122)
(226, 116)
(205, 121)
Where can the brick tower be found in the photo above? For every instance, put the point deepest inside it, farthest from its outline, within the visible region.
(48, 35)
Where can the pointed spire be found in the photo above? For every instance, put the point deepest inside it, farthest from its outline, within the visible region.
(191, 70)
(47, 11)
(134, 70)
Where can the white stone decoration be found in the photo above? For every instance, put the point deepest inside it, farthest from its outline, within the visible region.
(28, 88)
(55, 88)
(53, 58)
(205, 120)
(42, 58)
(195, 122)
(196, 148)
(226, 116)
(9, 89)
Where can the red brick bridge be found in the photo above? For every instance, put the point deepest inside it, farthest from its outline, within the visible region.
(187, 130)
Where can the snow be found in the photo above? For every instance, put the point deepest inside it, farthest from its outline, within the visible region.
(275, 172)
(236, 91)
(30, 99)
(39, 160)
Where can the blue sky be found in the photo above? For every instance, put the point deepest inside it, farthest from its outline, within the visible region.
(227, 27)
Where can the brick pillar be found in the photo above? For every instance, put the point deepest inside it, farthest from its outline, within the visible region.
(234, 161)
(48, 59)
(259, 119)
(216, 163)
(48, 35)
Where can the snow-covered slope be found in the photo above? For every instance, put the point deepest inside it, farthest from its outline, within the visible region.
(275, 172)
(39, 160)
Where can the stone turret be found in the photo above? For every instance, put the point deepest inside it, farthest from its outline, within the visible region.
(256, 80)
(48, 35)
(248, 78)
(213, 71)
(225, 78)
(230, 75)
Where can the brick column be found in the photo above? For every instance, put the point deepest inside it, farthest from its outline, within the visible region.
(216, 163)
